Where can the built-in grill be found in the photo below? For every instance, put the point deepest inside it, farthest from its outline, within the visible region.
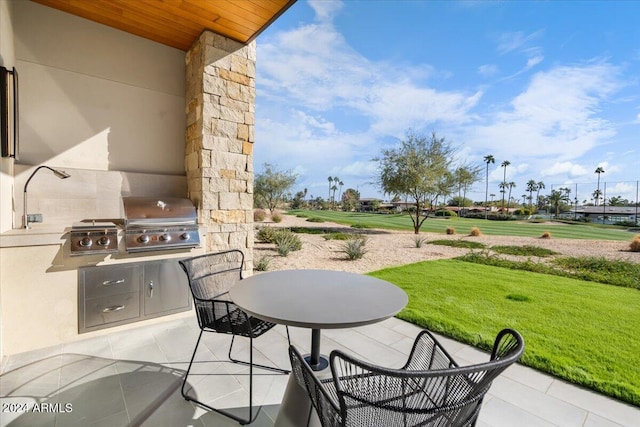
(149, 224)
(159, 224)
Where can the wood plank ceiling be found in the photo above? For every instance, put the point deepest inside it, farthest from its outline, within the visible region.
(178, 23)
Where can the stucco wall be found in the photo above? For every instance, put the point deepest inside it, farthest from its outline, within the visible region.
(94, 97)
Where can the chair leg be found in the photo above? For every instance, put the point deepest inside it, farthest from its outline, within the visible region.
(242, 362)
(240, 420)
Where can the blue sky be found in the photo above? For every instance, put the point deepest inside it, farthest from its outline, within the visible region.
(551, 86)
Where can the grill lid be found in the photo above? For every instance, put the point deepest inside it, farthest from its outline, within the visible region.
(144, 211)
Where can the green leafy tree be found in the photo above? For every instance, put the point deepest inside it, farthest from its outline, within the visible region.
(350, 199)
(419, 170)
(487, 159)
(271, 185)
(466, 176)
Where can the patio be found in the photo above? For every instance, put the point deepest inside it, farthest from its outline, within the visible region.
(133, 377)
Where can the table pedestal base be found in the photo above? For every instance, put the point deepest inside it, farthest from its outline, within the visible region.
(296, 409)
(323, 363)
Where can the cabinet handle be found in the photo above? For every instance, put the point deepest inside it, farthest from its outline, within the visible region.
(112, 282)
(113, 308)
(151, 289)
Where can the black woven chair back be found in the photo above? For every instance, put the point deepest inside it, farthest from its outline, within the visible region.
(210, 278)
(430, 390)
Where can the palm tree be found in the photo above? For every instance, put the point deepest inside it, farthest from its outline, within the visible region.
(334, 188)
(340, 184)
(556, 198)
(539, 186)
(487, 159)
(511, 185)
(531, 187)
(504, 177)
(330, 179)
(599, 170)
(503, 190)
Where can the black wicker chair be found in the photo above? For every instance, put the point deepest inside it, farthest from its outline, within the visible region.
(429, 390)
(210, 277)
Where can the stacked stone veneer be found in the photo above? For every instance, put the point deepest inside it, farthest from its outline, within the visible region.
(220, 109)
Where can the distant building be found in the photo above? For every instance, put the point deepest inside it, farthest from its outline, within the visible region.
(610, 214)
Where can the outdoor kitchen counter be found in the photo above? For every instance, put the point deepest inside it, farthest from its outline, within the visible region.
(36, 236)
(37, 273)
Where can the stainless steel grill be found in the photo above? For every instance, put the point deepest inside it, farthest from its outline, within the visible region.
(93, 237)
(159, 224)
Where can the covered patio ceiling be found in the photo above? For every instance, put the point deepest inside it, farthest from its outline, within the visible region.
(178, 23)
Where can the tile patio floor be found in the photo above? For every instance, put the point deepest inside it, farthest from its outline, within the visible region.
(133, 377)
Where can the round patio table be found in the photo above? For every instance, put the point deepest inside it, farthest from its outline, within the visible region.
(315, 299)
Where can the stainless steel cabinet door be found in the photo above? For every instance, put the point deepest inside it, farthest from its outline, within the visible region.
(165, 288)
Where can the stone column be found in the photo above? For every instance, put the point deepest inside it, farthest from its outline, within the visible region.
(220, 106)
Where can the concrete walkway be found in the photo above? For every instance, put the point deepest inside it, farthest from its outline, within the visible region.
(133, 377)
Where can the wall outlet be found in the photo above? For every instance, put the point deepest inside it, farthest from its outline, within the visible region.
(34, 218)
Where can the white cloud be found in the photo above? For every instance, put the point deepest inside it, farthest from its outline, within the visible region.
(532, 62)
(325, 10)
(488, 70)
(510, 41)
(564, 168)
(313, 67)
(555, 117)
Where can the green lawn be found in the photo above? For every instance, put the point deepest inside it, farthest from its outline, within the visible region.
(584, 332)
(463, 225)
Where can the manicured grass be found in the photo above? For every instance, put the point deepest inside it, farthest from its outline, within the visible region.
(464, 225)
(584, 332)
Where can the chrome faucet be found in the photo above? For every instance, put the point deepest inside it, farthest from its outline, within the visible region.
(60, 174)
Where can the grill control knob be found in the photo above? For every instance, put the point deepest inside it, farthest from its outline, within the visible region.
(103, 241)
(85, 242)
(185, 236)
(143, 239)
(165, 237)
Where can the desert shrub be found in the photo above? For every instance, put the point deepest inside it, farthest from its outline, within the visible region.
(475, 231)
(259, 215)
(501, 217)
(286, 242)
(360, 225)
(338, 236)
(315, 220)
(262, 263)
(355, 248)
(308, 230)
(626, 223)
(419, 240)
(266, 234)
(601, 269)
(635, 244)
(525, 250)
(546, 235)
(458, 243)
(276, 217)
(445, 212)
(451, 231)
